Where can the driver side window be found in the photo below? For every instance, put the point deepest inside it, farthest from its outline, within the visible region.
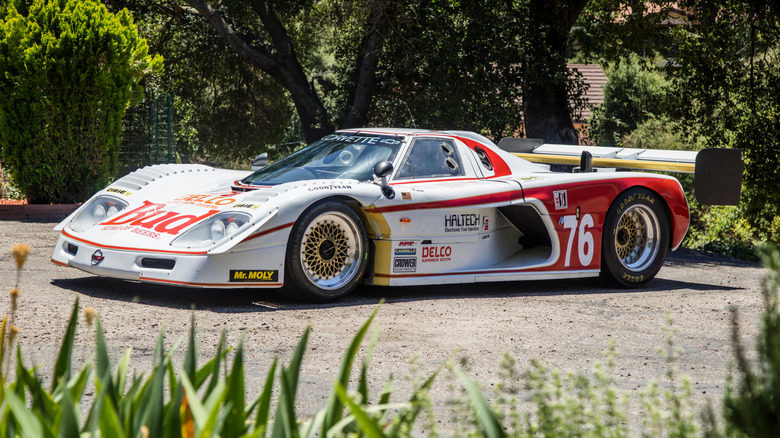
(431, 157)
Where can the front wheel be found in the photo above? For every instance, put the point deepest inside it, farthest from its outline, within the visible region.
(635, 238)
(327, 253)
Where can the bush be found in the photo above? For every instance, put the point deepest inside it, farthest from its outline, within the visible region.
(68, 70)
(633, 92)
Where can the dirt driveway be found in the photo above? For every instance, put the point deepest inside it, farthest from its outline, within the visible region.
(566, 324)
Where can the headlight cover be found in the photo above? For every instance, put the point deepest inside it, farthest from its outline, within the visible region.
(222, 226)
(98, 210)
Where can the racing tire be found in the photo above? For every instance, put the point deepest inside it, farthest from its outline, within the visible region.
(635, 238)
(327, 253)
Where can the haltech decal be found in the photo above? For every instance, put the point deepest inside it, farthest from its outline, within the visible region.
(261, 276)
(152, 216)
(459, 223)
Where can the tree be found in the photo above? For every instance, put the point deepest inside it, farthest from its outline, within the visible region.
(68, 70)
(546, 100)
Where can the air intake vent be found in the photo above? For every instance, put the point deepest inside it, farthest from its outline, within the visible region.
(154, 263)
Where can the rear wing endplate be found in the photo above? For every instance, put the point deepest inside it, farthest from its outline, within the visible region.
(717, 172)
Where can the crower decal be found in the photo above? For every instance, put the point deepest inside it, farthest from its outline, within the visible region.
(153, 216)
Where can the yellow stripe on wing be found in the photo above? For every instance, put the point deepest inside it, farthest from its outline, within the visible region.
(662, 166)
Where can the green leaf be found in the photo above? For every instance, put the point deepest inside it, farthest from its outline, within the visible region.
(236, 419)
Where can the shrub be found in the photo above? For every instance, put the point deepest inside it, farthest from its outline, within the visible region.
(68, 70)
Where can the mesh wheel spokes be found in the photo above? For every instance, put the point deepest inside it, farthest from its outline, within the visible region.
(325, 250)
(636, 237)
(330, 250)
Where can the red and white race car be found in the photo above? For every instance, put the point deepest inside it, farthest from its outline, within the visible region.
(390, 207)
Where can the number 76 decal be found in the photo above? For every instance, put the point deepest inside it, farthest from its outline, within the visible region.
(585, 243)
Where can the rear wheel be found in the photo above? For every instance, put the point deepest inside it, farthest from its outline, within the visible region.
(326, 253)
(635, 238)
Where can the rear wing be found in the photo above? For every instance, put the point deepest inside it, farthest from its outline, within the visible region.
(717, 172)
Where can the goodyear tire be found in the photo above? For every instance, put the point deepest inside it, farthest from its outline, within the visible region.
(327, 253)
(635, 238)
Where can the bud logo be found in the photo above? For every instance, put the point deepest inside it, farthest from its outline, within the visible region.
(436, 254)
(152, 216)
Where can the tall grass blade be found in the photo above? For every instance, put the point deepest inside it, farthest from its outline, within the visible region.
(236, 419)
(367, 424)
(264, 401)
(191, 355)
(491, 428)
(67, 421)
(29, 425)
(335, 406)
(62, 366)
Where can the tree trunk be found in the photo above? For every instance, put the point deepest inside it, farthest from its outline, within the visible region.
(546, 110)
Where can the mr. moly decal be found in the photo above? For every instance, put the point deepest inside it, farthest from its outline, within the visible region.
(256, 276)
(462, 223)
(363, 139)
(151, 220)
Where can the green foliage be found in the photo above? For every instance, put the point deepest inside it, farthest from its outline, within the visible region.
(661, 132)
(727, 74)
(7, 188)
(68, 70)
(633, 93)
(752, 399)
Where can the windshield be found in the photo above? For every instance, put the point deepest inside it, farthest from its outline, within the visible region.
(335, 156)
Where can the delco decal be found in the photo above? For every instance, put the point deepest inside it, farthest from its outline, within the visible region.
(151, 216)
(258, 276)
(559, 197)
(436, 254)
(119, 191)
(461, 223)
(208, 201)
(404, 264)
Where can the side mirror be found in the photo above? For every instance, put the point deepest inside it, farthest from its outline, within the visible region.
(260, 161)
(384, 169)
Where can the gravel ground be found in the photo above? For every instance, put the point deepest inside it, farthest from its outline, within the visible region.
(566, 324)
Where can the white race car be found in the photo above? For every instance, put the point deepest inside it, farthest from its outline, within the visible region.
(386, 207)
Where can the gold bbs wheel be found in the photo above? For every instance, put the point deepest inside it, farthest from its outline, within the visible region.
(332, 249)
(636, 237)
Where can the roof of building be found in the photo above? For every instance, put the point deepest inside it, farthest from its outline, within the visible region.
(595, 78)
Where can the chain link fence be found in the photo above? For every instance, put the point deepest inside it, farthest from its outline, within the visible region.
(147, 135)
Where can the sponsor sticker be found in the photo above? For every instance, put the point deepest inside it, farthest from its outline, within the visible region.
(119, 191)
(406, 196)
(154, 217)
(433, 254)
(210, 200)
(485, 223)
(247, 206)
(462, 223)
(406, 243)
(330, 187)
(559, 197)
(406, 251)
(404, 264)
(255, 276)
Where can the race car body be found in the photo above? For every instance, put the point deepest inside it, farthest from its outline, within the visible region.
(383, 206)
